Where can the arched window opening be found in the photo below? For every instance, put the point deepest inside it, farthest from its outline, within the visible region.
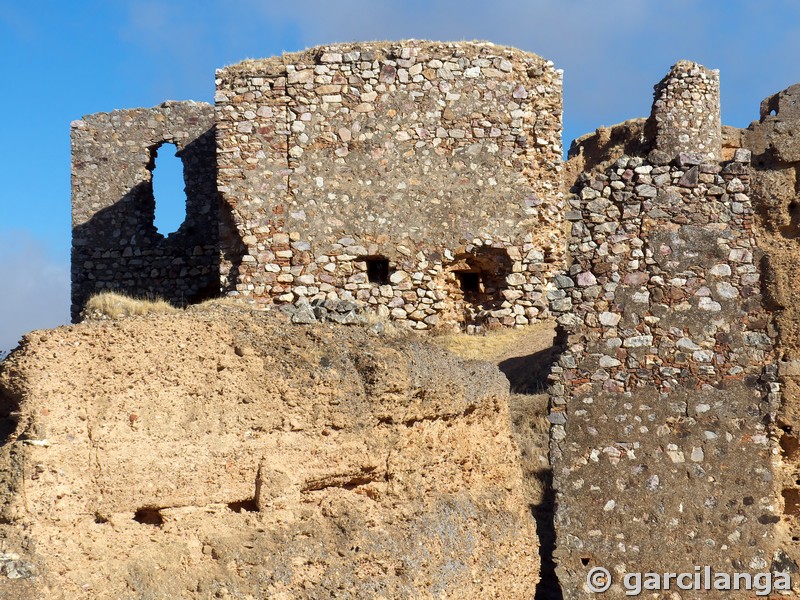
(168, 188)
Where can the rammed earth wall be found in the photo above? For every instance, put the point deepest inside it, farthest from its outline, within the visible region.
(775, 145)
(443, 160)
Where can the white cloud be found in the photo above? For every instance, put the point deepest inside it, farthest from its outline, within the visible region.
(35, 288)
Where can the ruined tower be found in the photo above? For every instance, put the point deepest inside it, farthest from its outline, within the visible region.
(663, 395)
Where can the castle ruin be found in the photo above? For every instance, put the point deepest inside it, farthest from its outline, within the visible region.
(426, 182)
(420, 179)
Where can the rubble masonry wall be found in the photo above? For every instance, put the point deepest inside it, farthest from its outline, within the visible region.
(115, 245)
(443, 160)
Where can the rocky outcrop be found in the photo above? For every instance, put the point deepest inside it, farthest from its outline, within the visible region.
(773, 141)
(226, 453)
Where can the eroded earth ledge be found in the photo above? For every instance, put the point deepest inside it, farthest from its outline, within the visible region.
(229, 454)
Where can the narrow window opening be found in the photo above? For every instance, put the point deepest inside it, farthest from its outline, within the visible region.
(469, 281)
(168, 188)
(377, 269)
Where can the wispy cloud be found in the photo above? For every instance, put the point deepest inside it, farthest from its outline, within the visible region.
(36, 288)
(612, 52)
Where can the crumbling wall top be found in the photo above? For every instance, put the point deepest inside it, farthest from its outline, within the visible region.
(686, 114)
(785, 104)
(115, 243)
(363, 51)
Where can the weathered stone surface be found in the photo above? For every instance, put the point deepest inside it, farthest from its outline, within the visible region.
(228, 453)
(773, 145)
(441, 163)
(405, 159)
(686, 112)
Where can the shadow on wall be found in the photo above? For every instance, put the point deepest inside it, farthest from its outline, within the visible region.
(528, 374)
(548, 587)
(119, 248)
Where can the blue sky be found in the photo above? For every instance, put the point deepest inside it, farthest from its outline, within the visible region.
(62, 60)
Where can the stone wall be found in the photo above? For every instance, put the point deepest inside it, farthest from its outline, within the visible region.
(420, 178)
(115, 246)
(662, 398)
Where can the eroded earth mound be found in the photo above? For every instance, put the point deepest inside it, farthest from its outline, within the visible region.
(225, 453)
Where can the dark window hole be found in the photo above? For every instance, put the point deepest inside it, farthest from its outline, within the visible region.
(168, 188)
(469, 281)
(243, 506)
(791, 498)
(377, 269)
(148, 516)
(585, 561)
(790, 445)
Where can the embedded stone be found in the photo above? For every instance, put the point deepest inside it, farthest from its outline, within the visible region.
(742, 155)
(609, 319)
(636, 278)
(708, 304)
(586, 278)
(638, 341)
(608, 362)
(721, 270)
(563, 282)
(726, 290)
(687, 345)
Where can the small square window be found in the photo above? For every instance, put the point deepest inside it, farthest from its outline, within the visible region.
(469, 282)
(377, 270)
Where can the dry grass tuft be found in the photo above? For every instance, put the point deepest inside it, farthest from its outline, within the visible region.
(226, 301)
(500, 344)
(111, 305)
